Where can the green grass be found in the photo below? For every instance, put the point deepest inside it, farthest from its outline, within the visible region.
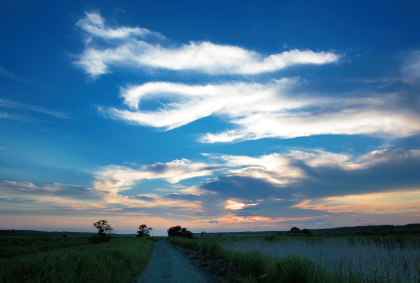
(117, 261)
(11, 247)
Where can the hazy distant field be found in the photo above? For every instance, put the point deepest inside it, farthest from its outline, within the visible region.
(72, 259)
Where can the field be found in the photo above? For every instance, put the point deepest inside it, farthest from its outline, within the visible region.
(72, 259)
(292, 258)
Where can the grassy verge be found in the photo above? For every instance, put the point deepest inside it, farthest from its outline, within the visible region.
(117, 261)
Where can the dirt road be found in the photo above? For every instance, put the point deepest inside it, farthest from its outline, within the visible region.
(168, 265)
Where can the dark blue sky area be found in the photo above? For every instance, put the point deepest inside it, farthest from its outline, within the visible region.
(209, 112)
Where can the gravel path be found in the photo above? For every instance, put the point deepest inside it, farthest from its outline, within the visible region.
(168, 265)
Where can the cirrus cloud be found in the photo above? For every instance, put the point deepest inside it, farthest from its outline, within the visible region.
(205, 56)
(267, 110)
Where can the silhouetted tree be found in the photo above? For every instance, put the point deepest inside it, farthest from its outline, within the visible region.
(295, 230)
(306, 231)
(104, 232)
(144, 231)
(177, 231)
(203, 234)
(103, 227)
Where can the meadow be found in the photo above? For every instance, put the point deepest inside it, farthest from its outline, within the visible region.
(72, 259)
(293, 258)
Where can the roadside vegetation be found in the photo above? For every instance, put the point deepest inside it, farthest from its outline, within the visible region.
(74, 259)
(116, 261)
(298, 256)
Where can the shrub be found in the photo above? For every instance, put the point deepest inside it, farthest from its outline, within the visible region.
(177, 231)
(269, 238)
(294, 230)
(97, 239)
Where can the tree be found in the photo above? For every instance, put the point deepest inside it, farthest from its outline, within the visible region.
(177, 231)
(295, 230)
(103, 227)
(144, 231)
(203, 234)
(104, 232)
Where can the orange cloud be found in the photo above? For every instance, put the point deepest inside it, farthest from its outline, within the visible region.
(234, 205)
(231, 218)
(402, 202)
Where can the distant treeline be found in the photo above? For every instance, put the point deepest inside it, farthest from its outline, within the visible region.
(353, 229)
(35, 233)
(367, 228)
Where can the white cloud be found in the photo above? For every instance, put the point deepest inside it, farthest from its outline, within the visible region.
(189, 103)
(280, 169)
(204, 56)
(277, 169)
(386, 155)
(411, 67)
(366, 120)
(266, 110)
(274, 168)
(94, 24)
(116, 178)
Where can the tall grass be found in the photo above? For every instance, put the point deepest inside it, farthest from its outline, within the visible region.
(11, 247)
(365, 259)
(321, 260)
(116, 261)
(258, 267)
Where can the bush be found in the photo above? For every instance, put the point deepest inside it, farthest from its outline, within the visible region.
(177, 231)
(269, 238)
(97, 239)
(294, 230)
(306, 231)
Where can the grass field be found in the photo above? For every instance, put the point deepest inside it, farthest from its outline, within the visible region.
(396, 260)
(316, 259)
(72, 260)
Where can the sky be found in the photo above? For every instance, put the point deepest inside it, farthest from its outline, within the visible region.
(216, 116)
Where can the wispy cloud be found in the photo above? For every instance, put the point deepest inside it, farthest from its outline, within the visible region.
(116, 178)
(189, 103)
(12, 104)
(10, 75)
(368, 120)
(205, 57)
(411, 67)
(94, 25)
(267, 110)
(25, 118)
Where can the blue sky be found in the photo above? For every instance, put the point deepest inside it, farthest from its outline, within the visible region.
(238, 116)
